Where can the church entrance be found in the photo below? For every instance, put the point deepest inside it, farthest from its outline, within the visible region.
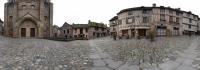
(28, 28)
(23, 32)
(32, 32)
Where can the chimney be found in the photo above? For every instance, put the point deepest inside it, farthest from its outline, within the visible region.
(154, 4)
(179, 8)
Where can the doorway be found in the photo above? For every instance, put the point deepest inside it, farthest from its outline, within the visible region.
(142, 32)
(23, 32)
(32, 32)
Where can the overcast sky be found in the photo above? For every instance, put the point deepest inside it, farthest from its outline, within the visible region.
(80, 11)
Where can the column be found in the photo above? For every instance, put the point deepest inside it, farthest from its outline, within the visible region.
(129, 33)
(136, 33)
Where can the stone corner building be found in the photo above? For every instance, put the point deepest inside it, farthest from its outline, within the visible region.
(164, 21)
(1, 27)
(28, 18)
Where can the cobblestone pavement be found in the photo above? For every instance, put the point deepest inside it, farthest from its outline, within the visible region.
(187, 58)
(40, 54)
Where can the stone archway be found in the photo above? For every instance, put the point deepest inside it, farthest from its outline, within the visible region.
(28, 28)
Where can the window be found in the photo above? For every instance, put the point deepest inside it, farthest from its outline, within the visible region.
(130, 20)
(170, 12)
(32, 6)
(130, 13)
(177, 20)
(10, 18)
(94, 34)
(119, 22)
(162, 11)
(96, 28)
(86, 30)
(161, 31)
(145, 20)
(162, 17)
(68, 31)
(64, 31)
(75, 36)
(102, 29)
(175, 28)
(45, 18)
(189, 26)
(188, 15)
(175, 31)
(177, 13)
(23, 6)
(170, 19)
(145, 11)
(75, 30)
(193, 17)
(190, 20)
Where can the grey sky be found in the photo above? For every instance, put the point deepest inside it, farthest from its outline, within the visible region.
(80, 11)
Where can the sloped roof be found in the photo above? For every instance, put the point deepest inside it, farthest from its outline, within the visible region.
(114, 18)
(95, 24)
(1, 21)
(149, 8)
(66, 24)
(80, 25)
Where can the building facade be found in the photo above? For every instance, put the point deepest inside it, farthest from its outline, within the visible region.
(28, 18)
(190, 23)
(90, 31)
(1, 27)
(66, 31)
(113, 25)
(80, 31)
(198, 31)
(56, 31)
(97, 30)
(164, 21)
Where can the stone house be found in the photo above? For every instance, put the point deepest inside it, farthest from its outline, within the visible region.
(113, 25)
(56, 31)
(84, 31)
(80, 31)
(1, 27)
(190, 23)
(198, 31)
(66, 31)
(28, 18)
(97, 30)
(164, 21)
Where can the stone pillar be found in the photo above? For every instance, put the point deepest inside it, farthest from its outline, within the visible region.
(129, 33)
(15, 32)
(136, 33)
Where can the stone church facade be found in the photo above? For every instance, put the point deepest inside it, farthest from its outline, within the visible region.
(28, 18)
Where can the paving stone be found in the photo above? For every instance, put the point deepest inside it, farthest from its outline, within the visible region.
(100, 68)
(98, 63)
(113, 64)
(185, 68)
(96, 56)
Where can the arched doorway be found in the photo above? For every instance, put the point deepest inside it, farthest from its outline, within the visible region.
(28, 28)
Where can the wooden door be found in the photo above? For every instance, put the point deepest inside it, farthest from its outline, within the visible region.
(23, 32)
(32, 32)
